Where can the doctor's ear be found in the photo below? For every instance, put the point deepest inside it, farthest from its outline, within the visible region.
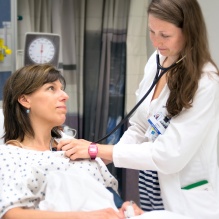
(23, 100)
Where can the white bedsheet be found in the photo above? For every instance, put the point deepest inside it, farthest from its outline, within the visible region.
(79, 196)
(161, 215)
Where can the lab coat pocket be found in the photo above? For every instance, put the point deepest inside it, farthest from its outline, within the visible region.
(200, 204)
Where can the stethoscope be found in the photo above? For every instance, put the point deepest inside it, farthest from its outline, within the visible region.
(159, 73)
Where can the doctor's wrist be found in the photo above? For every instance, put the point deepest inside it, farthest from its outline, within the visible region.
(105, 152)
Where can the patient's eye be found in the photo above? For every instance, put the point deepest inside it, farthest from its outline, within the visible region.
(151, 31)
(51, 88)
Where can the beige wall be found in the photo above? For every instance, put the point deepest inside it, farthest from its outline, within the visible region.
(210, 12)
(136, 49)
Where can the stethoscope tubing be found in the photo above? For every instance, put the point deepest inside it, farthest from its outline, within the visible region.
(160, 72)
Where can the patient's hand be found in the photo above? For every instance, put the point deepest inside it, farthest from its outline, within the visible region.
(17, 213)
(137, 210)
(108, 213)
(74, 148)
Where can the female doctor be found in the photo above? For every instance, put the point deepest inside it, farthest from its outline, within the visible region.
(172, 138)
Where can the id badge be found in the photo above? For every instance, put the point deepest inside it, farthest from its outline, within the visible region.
(158, 124)
(158, 127)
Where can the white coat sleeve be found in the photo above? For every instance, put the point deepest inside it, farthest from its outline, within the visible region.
(182, 139)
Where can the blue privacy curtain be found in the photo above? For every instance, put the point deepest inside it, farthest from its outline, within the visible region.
(104, 67)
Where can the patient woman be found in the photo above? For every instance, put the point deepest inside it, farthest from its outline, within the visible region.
(36, 181)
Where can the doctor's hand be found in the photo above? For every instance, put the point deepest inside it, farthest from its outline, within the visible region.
(78, 149)
(74, 148)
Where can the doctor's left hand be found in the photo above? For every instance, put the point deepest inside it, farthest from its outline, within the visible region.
(74, 148)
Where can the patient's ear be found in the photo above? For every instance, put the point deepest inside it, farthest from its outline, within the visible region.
(23, 100)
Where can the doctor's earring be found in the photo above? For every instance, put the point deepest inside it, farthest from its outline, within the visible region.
(27, 111)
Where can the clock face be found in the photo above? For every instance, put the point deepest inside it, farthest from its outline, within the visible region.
(41, 50)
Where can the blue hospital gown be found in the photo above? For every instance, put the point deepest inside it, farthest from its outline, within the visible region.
(23, 175)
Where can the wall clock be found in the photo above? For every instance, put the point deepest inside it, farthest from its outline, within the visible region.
(41, 48)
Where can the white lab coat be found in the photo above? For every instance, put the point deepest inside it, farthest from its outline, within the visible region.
(186, 153)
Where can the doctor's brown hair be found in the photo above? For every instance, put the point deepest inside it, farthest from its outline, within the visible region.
(183, 79)
(26, 80)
